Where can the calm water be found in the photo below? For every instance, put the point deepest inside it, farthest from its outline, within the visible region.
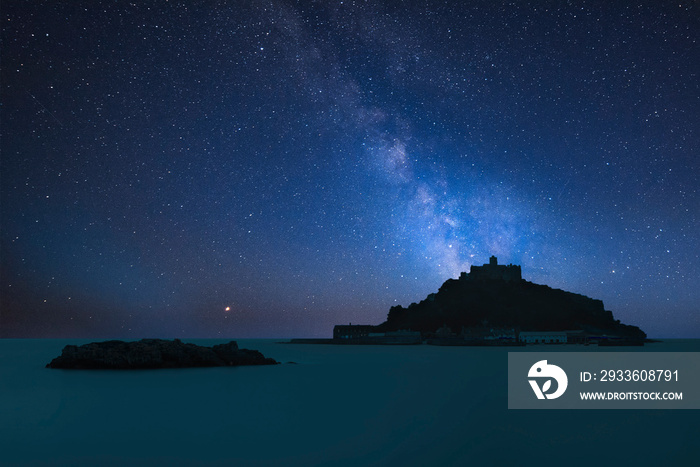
(339, 405)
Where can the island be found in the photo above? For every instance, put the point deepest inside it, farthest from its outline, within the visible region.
(154, 353)
(494, 305)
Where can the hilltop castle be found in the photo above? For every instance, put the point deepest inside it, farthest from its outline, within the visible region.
(496, 296)
(493, 270)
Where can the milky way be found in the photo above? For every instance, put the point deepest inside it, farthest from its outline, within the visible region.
(269, 169)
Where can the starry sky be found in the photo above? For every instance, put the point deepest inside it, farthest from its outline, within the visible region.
(272, 168)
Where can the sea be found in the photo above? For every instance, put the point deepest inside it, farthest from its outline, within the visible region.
(325, 405)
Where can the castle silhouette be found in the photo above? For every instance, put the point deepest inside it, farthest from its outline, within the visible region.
(493, 270)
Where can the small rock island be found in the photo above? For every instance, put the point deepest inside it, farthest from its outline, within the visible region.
(154, 353)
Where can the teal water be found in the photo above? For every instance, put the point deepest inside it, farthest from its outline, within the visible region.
(339, 405)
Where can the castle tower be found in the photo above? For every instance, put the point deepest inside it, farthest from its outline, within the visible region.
(494, 271)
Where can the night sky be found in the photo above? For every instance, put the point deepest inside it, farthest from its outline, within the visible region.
(273, 168)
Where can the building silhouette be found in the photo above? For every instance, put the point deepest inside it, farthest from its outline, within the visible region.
(493, 270)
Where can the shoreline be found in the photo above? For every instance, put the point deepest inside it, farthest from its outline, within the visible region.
(451, 342)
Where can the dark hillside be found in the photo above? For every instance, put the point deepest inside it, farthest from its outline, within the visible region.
(470, 302)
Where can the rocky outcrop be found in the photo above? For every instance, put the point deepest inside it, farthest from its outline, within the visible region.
(155, 353)
(466, 303)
